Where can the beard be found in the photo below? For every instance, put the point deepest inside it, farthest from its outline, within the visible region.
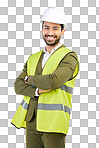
(49, 43)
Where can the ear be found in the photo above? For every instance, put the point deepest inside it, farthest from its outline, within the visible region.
(62, 32)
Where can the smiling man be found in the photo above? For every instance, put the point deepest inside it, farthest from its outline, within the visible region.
(46, 106)
(52, 33)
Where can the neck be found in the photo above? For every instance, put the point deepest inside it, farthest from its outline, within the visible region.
(49, 48)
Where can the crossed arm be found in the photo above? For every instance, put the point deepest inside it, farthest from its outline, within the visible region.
(47, 82)
(40, 91)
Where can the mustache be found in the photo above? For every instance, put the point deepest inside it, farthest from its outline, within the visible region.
(50, 36)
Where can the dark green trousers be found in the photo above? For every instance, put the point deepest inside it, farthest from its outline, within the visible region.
(35, 139)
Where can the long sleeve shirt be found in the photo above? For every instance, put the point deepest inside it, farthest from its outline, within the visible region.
(63, 73)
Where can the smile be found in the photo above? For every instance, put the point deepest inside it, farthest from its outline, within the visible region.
(50, 38)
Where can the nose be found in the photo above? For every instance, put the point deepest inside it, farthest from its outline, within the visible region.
(50, 32)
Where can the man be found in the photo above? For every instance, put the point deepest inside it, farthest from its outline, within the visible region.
(48, 88)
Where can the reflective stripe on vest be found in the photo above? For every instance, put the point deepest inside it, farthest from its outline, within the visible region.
(67, 89)
(61, 107)
(53, 107)
(24, 105)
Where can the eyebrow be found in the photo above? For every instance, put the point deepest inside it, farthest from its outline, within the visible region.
(55, 27)
(49, 26)
(46, 26)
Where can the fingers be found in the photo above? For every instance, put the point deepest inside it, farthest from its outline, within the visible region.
(29, 77)
(40, 91)
(25, 82)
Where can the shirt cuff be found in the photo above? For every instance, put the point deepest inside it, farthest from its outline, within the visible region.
(36, 92)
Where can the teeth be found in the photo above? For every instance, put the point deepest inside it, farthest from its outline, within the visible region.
(50, 38)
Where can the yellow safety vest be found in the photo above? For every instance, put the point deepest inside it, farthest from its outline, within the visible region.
(54, 107)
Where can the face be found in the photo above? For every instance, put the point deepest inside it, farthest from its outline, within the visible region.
(52, 33)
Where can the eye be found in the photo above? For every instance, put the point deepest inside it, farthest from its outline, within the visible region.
(46, 28)
(55, 29)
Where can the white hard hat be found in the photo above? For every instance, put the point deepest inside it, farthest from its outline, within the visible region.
(54, 15)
